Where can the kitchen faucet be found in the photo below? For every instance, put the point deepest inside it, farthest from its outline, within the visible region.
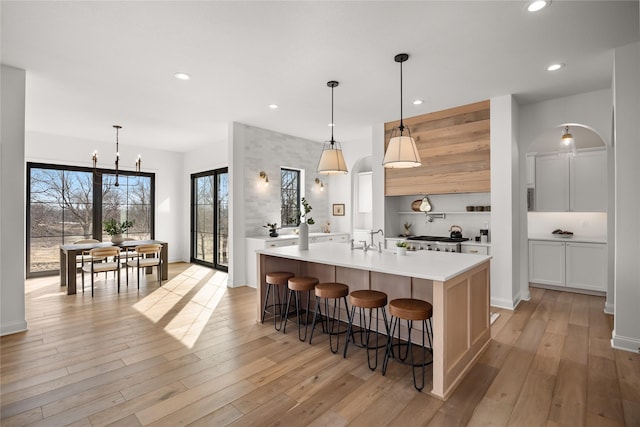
(373, 245)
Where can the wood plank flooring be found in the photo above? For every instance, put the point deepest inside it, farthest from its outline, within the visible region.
(191, 353)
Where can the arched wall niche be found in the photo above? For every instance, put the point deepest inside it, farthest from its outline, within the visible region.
(548, 141)
(360, 220)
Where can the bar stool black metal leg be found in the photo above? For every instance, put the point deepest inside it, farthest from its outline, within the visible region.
(315, 316)
(349, 329)
(286, 313)
(266, 301)
(389, 350)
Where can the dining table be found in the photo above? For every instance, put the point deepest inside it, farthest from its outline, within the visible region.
(69, 253)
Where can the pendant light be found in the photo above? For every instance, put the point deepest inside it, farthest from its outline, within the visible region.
(94, 157)
(567, 144)
(401, 151)
(331, 159)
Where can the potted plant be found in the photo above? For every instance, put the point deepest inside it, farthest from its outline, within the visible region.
(305, 221)
(307, 208)
(273, 229)
(401, 247)
(115, 229)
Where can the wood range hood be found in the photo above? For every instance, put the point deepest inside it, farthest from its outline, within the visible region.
(454, 146)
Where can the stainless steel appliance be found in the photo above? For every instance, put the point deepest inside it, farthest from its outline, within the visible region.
(436, 243)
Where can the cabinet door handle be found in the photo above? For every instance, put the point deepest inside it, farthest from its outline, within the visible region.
(473, 251)
(330, 238)
(272, 245)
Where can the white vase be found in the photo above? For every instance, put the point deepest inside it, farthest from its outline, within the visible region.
(303, 239)
(401, 251)
(116, 239)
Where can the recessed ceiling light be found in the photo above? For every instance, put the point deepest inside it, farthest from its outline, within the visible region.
(273, 106)
(417, 102)
(182, 76)
(554, 67)
(537, 5)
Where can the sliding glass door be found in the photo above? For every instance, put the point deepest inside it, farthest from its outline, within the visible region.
(210, 218)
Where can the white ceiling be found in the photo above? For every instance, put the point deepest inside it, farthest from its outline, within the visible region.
(93, 64)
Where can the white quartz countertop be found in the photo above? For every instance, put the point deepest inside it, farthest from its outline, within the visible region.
(440, 266)
(268, 238)
(575, 238)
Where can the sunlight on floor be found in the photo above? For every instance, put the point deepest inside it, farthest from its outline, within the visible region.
(187, 324)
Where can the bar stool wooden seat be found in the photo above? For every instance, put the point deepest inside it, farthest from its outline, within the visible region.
(368, 300)
(336, 292)
(297, 285)
(279, 280)
(411, 310)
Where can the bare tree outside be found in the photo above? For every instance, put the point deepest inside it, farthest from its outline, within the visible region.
(289, 197)
(210, 229)
(62, 211)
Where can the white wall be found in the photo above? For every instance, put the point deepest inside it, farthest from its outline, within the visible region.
(167, 165)
(592, 109)
(506, 245)
(254, 150)
(213, 156)
(626, 96)
(12, 214)
(583, 224)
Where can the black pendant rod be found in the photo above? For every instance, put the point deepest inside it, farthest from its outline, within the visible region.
(332, 84)
(117, 184)
(401, 57)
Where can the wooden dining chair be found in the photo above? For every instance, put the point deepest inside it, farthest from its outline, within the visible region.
(83, 257)
(100, 262)
(149, 255)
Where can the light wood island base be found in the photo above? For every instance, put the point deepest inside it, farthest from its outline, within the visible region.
(461, 324)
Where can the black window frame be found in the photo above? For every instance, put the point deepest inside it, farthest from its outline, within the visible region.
(298, 174)
(96, 204)
(192, 228)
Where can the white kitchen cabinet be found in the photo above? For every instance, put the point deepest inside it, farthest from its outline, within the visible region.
(531, 170)
(588, 182)
(573, 265)
(586, 266)
(474, 249)
(546, 262)
(571, 184)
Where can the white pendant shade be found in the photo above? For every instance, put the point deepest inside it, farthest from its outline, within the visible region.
(567, 144)
(331, 159)
(401, 153)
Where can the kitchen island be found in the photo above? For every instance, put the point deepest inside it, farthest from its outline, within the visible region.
(457, 285)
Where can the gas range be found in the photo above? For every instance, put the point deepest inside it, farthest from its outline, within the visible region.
(436, 243)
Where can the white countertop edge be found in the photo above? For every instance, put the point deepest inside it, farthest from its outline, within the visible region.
(576, 238)
(268, 238)
(410, 265)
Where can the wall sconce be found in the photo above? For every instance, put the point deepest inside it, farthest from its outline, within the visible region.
(94, 157)
(265, 178)
(138, 163)
(320, 184)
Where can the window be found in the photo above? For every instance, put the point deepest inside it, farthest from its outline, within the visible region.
(289, 197)
(67, 204)
(210, 218)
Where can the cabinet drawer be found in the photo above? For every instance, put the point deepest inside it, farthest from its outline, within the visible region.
(472, 249)
(279, 243)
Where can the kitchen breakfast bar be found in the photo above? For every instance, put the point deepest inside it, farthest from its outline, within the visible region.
(457, 285)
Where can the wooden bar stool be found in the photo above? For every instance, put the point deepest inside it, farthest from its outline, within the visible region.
(411, 310)
(368, 300)
(279, 280)
(296, 286)
(330, 291)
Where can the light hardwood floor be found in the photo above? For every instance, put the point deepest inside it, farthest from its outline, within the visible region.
(191, 353)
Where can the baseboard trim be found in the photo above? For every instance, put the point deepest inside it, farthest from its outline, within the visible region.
(504, 303)
(625, 343)
(13, 327)
(609, 308)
